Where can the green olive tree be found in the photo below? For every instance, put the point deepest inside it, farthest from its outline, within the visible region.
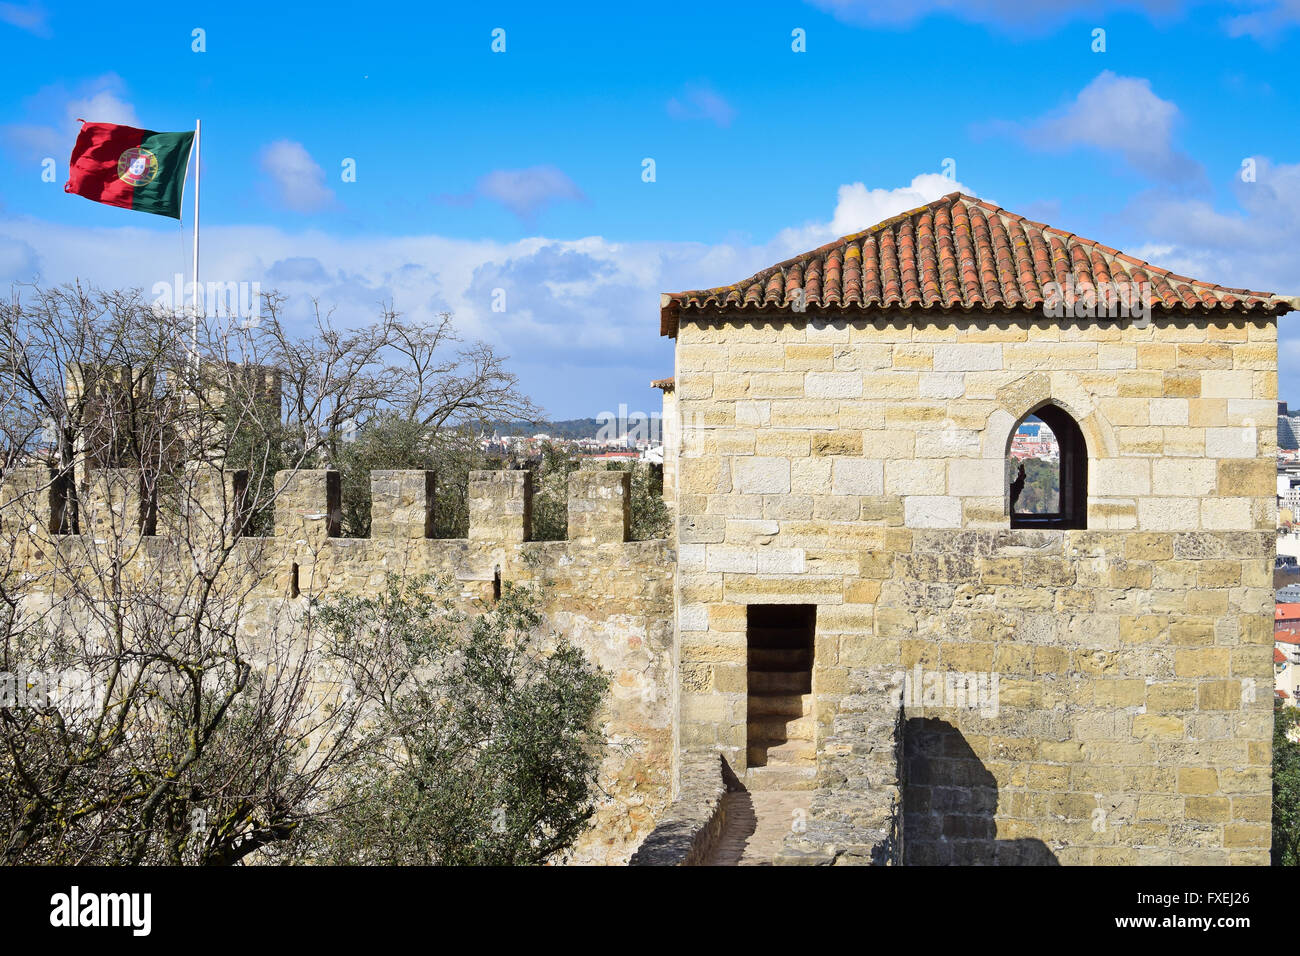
(482, 737)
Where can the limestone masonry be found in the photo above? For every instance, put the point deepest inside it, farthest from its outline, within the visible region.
(845, 422)
(851, 609)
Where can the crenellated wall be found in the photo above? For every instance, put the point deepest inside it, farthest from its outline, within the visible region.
(611, 596)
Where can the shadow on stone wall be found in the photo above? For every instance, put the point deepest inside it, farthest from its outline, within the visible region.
(949, 802)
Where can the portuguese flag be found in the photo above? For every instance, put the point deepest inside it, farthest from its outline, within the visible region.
(129, 167)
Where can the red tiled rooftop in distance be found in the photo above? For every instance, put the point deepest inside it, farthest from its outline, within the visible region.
(1286, 612)
(956, 253)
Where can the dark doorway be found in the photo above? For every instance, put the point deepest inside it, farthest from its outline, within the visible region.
(779, 661)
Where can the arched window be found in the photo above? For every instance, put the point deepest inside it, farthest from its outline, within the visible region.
(1047, 471)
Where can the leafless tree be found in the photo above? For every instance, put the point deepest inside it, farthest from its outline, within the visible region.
(335, 381)
(140, 720)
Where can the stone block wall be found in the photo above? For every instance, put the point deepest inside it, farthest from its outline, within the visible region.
(402, 504)
(500, 506)
(693, 824)
(610, 596)
(670, 423)
(600, 508)
(860, 466)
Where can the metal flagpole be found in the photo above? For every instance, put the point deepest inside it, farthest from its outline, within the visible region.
(194, 329)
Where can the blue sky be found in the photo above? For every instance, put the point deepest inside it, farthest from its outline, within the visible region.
(522, 170)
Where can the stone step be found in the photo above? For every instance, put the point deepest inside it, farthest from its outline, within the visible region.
(780, 682)
(781, 778)
(778, 728)
(801, 753)
(783, 705)
(779, 659)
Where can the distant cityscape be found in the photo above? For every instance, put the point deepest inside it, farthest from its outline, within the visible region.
(1286, 576)
(634, 438)
(1033, 439)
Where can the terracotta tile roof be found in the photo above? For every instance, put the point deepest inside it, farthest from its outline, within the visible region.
(1286, 612)
(956, 253)
(1282, 694)
(1286, 636)
(1278, 657)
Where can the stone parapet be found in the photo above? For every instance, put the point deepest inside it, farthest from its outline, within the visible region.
(611, 598)
(600, 506)
(307, 505)
(693, 822)
(401, 504)
(500, 506)
(856, 814)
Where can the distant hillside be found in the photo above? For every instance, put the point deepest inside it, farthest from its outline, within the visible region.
(572, 428)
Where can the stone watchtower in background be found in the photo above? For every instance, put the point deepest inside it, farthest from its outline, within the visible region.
(866, 617)
(151, 422)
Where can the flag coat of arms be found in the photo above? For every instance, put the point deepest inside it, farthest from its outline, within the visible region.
(129, 167)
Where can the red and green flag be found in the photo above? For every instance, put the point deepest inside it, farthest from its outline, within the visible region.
(129, 167)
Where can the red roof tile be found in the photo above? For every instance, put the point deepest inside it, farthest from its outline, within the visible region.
(956, 253)
(1286, 612)
(1282, 694)
(1278, 657)
(1286, 636)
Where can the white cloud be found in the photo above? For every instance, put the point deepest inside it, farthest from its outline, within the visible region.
(26, 16)
(1119, 114)
(582, 316)
(298, 180)
(700, 101)
(32, 141)
(102, 106)
(1266, 24)
(18, 260)
(1253, 248)
(858, 207)
(54, 111)
(1263, 20)
(525, 192)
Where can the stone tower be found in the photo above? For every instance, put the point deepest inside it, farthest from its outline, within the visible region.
(863, 613)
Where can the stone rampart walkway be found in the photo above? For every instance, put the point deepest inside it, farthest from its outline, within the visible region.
(756, 825)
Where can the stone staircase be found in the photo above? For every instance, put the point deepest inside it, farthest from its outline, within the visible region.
(781, 754)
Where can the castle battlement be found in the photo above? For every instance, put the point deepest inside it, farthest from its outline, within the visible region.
(610, 596)
(308, 511)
